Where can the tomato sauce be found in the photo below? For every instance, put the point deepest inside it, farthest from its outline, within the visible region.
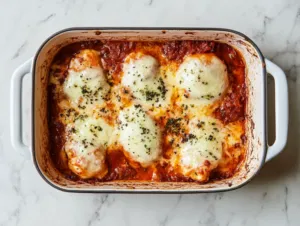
(230, 108)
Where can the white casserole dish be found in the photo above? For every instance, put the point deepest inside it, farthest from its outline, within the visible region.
(258, 150)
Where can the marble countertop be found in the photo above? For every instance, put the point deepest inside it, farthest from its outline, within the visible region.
(272, 198)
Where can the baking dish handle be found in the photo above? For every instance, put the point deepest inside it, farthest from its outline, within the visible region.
(281, 110)
(16, 105)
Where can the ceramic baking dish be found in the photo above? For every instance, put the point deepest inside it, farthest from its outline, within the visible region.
(257, 66)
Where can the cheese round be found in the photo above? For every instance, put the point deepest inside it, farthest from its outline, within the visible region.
(203, 77)
(86, 84)
(139, 135)
(201, 149)
(140, 75)
(86, 146)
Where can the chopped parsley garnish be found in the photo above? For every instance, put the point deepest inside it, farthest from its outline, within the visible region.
(200, 124)
(150, 95)
(162, 88)
(188, 137)
(208, 97)
(211, 138)
(173, 125)
(145, 130)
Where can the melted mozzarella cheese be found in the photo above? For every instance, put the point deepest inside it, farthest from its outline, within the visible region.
(86, 85)
(86, 146)
(203, 149)
(203, 77)
(139, 135)
(141, 77)
(196, 145)
(138, 66)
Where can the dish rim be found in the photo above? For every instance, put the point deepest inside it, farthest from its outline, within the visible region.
(156, 191)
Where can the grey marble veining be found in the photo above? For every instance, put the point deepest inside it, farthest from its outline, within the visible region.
(272, 198)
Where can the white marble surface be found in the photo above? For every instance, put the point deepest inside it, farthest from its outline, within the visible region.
(272, 198)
